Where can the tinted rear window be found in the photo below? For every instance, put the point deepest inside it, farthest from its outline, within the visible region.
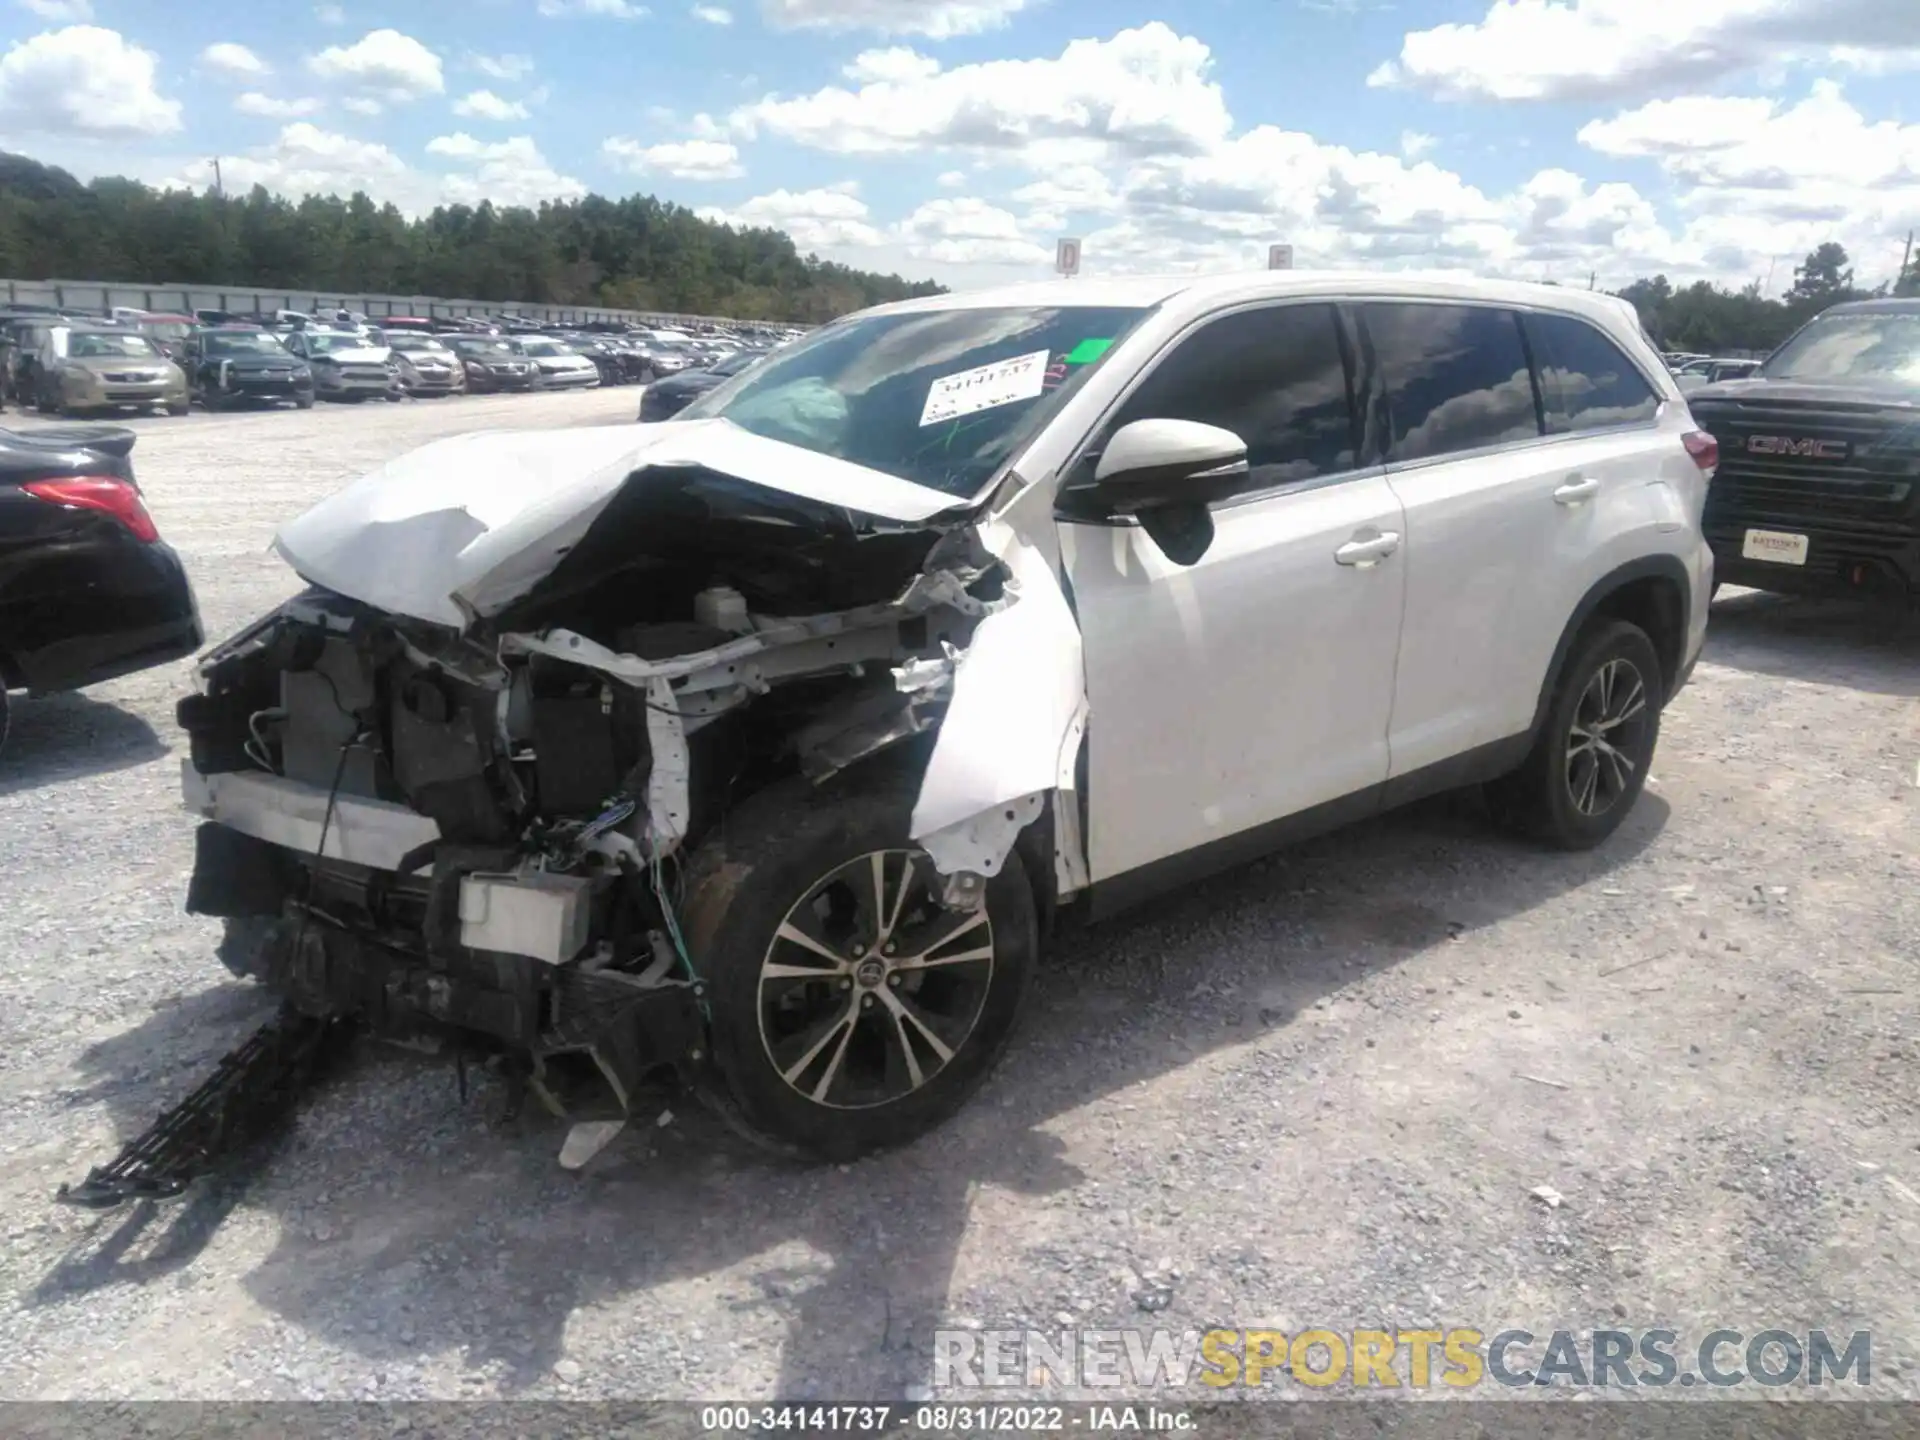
(1456, 376)
(1587, 383)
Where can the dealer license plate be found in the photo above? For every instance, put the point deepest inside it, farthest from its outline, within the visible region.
(1775, 546)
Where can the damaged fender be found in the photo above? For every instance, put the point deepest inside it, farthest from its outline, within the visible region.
(1012, 733)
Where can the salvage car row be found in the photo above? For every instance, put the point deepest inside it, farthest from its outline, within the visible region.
(73, 365)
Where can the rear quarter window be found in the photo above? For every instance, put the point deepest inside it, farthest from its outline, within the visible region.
(1586, 381)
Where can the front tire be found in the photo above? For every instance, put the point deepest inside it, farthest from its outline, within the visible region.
(849, 1012)
(1589, 763)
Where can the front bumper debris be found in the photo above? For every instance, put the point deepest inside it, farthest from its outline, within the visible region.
(250, 1089)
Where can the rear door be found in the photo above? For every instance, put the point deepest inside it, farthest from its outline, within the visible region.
(1257, 683)
(1513, 478)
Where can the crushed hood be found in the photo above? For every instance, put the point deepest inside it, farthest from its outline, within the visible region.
(467, 525)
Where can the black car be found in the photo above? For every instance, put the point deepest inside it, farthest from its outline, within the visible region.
(231, 366)
(1818, 487)
(493, 362)
(664, 399)
(87, 590)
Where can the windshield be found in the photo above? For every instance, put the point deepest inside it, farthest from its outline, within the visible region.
(84, 345)
(326, 344)
(938, 397)
(243, 344)
(546, 347)
(167, 329)
(487, 347)
(418, 344)
(1860, 346)
(734, 364)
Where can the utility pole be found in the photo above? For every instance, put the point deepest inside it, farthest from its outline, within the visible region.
(219, 189)
(1906, 264)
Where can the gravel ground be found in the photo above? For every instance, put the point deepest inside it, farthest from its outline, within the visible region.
(1315, 1092)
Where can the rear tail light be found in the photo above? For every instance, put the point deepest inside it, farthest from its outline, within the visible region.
(1704, 449)
(105, 493)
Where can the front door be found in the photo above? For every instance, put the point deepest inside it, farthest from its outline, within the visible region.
(1257, 683)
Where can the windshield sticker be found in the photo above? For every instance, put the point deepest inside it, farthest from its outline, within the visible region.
(1088, 351)
(1005, 382)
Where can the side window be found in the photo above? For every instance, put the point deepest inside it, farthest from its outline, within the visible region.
(1456, 377)
(1276, 377)
(1585, 380)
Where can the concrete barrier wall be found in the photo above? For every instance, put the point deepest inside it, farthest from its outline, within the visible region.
(185, 299)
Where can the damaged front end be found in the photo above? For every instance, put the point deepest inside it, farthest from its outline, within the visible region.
(475, 830)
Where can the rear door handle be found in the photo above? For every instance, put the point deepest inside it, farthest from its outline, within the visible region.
(1365, 550)
(1577, 489)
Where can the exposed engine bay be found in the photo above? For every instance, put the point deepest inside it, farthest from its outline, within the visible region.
(480, 830)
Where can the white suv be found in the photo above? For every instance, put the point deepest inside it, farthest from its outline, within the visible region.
(764, 745)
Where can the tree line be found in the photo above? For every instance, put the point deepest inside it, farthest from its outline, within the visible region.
(638, 253)
(1709, 319)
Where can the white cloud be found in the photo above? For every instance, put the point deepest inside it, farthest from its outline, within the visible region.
(936, 19)
(898, 64)
(968, 231)
(236, 62)
(306, 160)
(485, 105)
(607, 9)
(83, 80)
(712, 14)
(274, 108)
(382, 65)
(1064, 192)
(1760, 177)
(501, 67)
(684, 160)
(952, 179)
(1413, 144)
(68, 10)
(330, 14)
(830, 218)
(1586, 49)
(1145, 91)
(507, 172)
(361, 105)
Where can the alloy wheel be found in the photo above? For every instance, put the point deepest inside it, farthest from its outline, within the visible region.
(1607, 741)
(869, 987)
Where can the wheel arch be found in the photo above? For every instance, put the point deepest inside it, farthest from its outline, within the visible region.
(1653, 592)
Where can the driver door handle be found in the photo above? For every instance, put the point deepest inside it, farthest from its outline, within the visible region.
(1367, 549)
(1577, 489)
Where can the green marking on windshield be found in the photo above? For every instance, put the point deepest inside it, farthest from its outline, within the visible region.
(1088, 351)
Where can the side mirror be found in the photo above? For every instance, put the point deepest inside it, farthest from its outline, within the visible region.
(1150, 464)
(1165, 473)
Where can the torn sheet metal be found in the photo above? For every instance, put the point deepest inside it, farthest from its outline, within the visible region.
(467, 525)
(1019, 702)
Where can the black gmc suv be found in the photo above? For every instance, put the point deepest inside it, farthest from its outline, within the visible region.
(1818, 490)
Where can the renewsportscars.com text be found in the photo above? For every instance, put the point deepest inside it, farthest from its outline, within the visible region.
(1457, 1358)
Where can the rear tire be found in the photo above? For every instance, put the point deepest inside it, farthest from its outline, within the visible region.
(1589, 762)
(908, 1018)
(178, 407)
